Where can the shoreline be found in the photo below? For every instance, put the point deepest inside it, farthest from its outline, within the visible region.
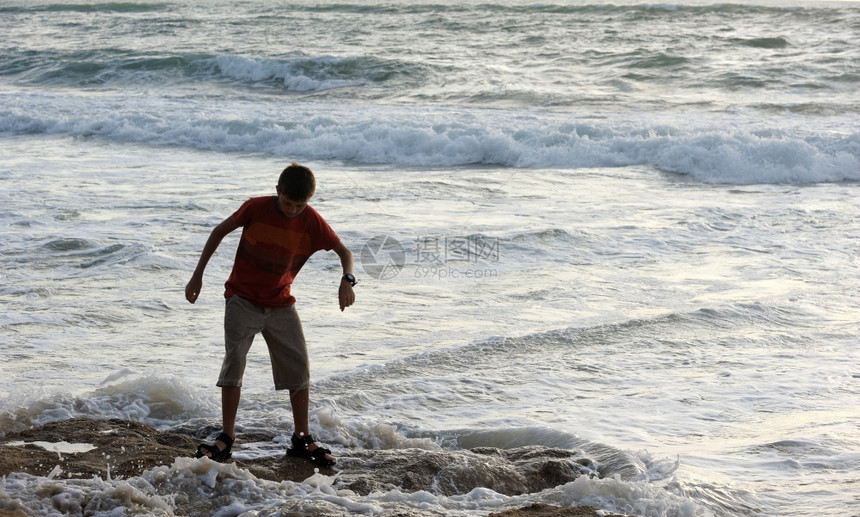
(113, 450)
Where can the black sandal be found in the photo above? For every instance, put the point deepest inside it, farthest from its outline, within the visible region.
(214, 453)
(300, 450)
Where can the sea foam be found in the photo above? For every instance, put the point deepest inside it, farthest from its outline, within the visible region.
(713, 150)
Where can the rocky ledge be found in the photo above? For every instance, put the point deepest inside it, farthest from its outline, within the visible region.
(125, 449)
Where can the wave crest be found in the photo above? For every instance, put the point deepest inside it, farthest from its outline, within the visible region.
(707, 150)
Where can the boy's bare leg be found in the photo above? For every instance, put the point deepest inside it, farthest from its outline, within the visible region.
(300, 402)
(229, 407)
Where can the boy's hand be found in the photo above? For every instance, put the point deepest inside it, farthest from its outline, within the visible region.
(192, 290)
(345, 295)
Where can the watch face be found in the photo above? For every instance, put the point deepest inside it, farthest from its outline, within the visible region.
(349, 278)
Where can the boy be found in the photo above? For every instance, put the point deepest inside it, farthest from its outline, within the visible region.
(279, 234)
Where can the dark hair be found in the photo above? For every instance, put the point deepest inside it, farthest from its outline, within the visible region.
(297, 182)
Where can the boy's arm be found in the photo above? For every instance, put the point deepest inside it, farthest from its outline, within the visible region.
(192, 290)
(345, 294)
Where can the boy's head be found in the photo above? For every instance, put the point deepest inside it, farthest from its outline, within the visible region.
(297, 183)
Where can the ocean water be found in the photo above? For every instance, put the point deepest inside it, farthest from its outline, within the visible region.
(623, 228)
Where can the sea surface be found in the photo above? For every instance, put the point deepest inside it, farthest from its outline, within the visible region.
(628, 229)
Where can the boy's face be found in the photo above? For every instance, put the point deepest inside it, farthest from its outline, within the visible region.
(290, 207)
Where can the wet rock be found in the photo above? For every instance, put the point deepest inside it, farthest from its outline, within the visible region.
(545, 510)
(124, 449)
(510, 472)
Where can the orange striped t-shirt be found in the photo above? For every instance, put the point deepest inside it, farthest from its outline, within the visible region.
(272, 250)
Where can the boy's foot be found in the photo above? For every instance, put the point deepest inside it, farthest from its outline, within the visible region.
(305, 447)
(215, 452)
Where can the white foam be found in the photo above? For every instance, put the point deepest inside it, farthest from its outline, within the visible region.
(633, 498)
(319, 481)
(159, 401)
(709, 148)
(62, 447)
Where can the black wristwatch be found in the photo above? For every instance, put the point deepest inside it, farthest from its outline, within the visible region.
(349, 278)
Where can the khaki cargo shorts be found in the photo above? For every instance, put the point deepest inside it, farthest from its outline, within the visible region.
(282, 330)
